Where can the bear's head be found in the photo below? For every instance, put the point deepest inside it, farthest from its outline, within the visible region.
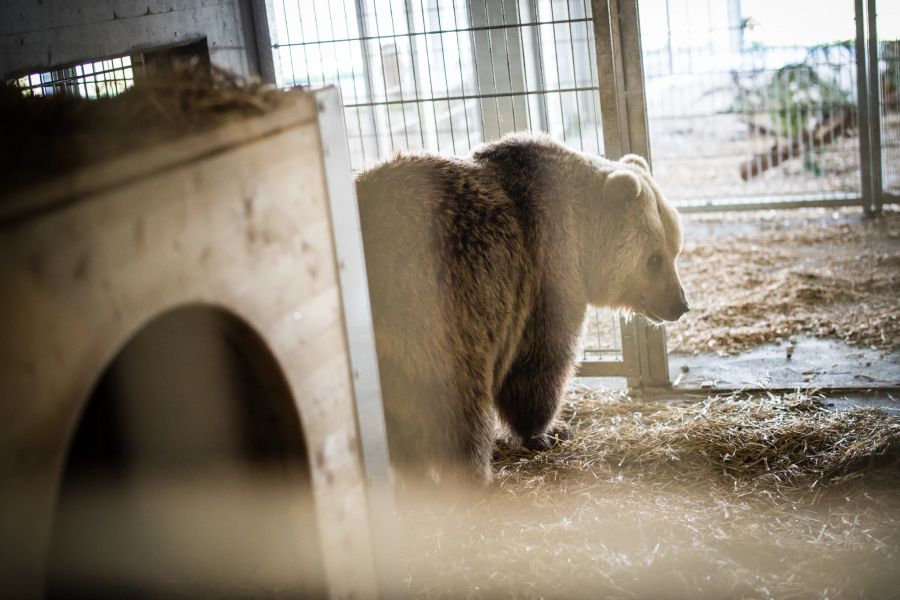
(635, 242)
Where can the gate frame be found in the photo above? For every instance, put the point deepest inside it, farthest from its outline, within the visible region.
(623, 109)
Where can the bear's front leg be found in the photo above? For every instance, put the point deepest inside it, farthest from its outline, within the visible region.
(530, 395)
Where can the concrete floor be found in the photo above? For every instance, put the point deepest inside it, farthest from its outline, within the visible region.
(814, 363)
(848, 376)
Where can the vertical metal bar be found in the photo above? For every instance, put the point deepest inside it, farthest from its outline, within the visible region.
(387, 107)
(610, 77)
(623, 109)
(359, 127)
(523, 32)
(484, 56)
(509, 74)
(303, 48)
(262, 27)
(538, 50)
(319, 42)
(490, 38)
(413, 54)
(874, 81)
(475, 61)
(367, 71)
(395, 39)
(558, 76)
(862, 107)
(669, 38)
(595, 106)
(461, 80)
(485, 14)
(432, 104)
(575, 77)
(288, 41)
(446, 76)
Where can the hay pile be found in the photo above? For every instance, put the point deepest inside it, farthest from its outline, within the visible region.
(46, 136)
(745, 496)
(791, 272)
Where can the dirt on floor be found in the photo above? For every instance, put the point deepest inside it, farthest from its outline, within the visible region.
(769, 496)
(761, 277)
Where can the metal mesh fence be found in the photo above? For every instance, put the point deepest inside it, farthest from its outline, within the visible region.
(445, 76)
(736, 117)
(448, 75)
(96, 79)
(889, 94)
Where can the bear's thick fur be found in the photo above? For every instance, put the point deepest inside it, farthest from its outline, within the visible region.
(480, 272)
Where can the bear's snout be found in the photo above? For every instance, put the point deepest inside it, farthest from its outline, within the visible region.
(680, 307)
(668, 306)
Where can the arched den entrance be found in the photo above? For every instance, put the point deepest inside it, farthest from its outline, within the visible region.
(188, 472)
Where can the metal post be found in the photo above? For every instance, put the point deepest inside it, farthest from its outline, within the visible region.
(498, 54)
(261, 28)
(535, 57)
(863, 105)
(367, 75)
(623, 110)
(414, 63)
(874, 81)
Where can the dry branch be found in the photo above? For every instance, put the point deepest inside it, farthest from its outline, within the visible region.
(818, 136)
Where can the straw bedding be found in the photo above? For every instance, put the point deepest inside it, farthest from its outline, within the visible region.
(762, 496)
(46, 136)
(758, 277)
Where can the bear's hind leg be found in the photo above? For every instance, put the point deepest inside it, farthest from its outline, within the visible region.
(529, 398)
(469, 445)
(446, 424)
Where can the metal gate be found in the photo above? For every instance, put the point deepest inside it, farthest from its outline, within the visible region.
(447, 76)
(756, 105)
(883, 94)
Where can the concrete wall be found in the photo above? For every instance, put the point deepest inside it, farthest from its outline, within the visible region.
(38, 34)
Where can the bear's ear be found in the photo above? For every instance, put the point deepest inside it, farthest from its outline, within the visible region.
(637, 161)
(623, 185)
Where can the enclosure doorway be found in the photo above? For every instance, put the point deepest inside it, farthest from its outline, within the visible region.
(188, 472)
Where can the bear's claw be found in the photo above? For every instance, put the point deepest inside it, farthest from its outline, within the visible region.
(550, 438)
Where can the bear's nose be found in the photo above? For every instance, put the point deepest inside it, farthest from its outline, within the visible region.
(681, 307)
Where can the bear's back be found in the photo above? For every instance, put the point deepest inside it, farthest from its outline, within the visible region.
(445, 253)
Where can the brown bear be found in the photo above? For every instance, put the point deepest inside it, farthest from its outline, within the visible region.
(480, 272)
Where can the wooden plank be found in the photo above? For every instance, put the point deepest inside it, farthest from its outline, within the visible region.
(119, 171)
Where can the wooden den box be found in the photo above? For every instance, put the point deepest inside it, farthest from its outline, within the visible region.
(186, 353)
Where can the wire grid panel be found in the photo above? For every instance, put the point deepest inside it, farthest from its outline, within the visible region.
(447, 76)
(97, 79)
(733, 115)
(888, 25)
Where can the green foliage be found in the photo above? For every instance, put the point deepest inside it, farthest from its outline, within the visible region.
(797, 94)
(797, 91)
(890, 53)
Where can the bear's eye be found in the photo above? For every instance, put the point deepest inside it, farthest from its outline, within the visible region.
(654, 262)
